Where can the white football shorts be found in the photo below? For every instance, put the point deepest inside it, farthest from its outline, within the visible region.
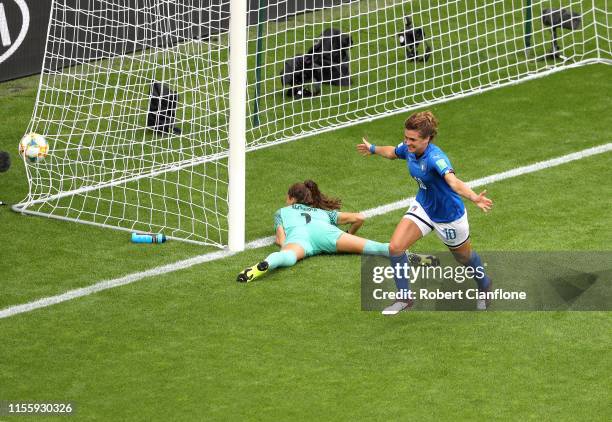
(453, 234)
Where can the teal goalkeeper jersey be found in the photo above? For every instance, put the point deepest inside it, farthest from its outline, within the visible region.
(299, 215)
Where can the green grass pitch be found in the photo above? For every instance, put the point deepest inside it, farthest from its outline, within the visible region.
(195, 345)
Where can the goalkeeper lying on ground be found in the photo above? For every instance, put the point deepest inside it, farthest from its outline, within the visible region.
(308, 226)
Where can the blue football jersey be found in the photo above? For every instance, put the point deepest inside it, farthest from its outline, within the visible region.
(436, 197)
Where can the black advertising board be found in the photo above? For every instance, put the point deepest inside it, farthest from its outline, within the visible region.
(23, 31)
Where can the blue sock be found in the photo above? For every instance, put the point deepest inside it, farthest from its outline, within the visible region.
(479, 275)
(402, 277)
(281, 259)
(376, 248)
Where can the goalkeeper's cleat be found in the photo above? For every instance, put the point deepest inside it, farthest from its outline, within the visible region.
(253, 272)
(423, 260)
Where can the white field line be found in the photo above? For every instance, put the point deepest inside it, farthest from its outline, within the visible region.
(266, 241)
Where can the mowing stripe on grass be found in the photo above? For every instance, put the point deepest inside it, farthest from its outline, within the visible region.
(266, 241)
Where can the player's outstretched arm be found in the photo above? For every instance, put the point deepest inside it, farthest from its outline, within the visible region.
(355, 219)
(280, 236)
(366, 148)
(480, 200)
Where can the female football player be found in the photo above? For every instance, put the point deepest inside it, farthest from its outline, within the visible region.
(308, 226)
(437, 207)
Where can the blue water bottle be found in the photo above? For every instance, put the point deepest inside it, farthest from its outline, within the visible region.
(148, 238)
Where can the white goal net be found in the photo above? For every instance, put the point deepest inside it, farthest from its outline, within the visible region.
(134, 94)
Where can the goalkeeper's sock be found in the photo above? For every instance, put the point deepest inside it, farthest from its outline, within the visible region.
(401, 274)
(376, 248)
(475, 263)
(281, 259)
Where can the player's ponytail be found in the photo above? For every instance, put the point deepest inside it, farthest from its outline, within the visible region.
(319, 200)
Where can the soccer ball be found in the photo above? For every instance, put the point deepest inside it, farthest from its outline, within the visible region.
(33, 147)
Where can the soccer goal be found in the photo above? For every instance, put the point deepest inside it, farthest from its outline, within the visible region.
(150, 106)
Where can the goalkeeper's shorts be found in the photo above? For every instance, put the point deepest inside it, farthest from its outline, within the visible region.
(315, 237)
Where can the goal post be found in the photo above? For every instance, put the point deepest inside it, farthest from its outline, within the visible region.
(237, 125)
(150, 106)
